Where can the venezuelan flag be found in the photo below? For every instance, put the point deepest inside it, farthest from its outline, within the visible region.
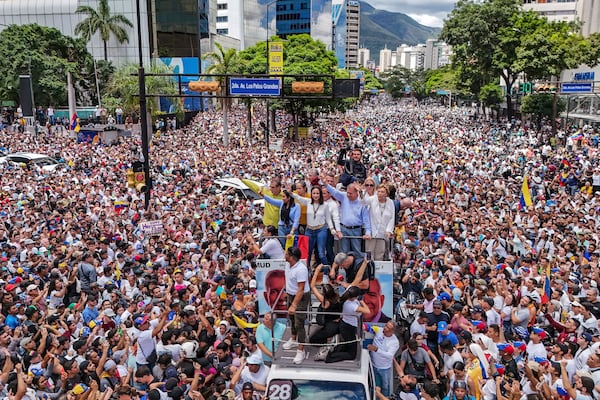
(119, 205)
(547, 290)
(247, 326)
(74, 121)
(344, 133)
(525, 200)
(443, 190)
(566, 163)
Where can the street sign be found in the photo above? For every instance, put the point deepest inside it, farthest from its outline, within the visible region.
(254, 87)
(152, 227)
(576, 88)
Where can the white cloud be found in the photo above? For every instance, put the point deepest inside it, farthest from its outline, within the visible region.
(428, 20)
(426, 12)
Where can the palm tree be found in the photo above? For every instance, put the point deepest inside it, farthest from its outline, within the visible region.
(101, 20)
(224, 62)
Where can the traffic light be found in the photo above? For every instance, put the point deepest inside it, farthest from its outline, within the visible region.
(139, 177)
(204, 86)
(130, 179)
(308, 87)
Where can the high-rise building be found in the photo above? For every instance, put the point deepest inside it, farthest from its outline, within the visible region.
(345, 16)
(585, 11)
(364, 56)
(437, 54)
(385, 59)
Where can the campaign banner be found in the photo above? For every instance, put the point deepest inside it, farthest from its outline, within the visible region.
(380, 297)
(270, 280)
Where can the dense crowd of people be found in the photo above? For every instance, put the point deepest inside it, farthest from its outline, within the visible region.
(95, 308)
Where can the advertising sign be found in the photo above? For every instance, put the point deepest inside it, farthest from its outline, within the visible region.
(275, 58)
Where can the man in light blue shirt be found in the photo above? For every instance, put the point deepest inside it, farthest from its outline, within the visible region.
(264, 334)
(354, 217)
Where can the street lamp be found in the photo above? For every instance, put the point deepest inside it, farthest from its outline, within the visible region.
(143, 111)
(267, 133)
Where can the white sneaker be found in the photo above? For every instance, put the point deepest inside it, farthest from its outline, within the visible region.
(299, 357)
(290, 344)
(322, 354)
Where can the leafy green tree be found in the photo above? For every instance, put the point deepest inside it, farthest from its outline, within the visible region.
(102, 21)
(542, 105)
(444, 78)
(48, 55)
(549, 49)
(400, 78)
(474, 29)
(490, 96)
(224, 62)
(124, 85)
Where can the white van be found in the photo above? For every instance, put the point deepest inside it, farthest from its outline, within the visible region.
(313, 380)
(317, 380)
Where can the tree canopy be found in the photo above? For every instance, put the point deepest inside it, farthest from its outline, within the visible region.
(492, 38)
(48, 54)
(104, 22)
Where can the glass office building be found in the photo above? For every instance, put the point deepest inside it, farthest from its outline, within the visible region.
(176, 28)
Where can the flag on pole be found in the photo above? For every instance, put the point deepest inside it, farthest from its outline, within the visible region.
(525, 200)
(73, 121)
(344, 133)
(443, 189)
(368, 131)
(566, 163)
(547, 295)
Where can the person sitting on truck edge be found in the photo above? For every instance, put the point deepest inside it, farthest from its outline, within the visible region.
(329, 302)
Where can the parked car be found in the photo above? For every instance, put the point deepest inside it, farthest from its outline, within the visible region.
(47, 163)
(241, 190)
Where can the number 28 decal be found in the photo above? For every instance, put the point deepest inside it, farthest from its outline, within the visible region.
(280, 390)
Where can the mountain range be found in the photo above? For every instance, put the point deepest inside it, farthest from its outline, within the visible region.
(380, 28)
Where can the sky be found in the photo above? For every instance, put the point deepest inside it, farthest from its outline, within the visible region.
(425, 12)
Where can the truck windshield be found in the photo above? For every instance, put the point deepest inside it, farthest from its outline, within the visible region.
(322, 390)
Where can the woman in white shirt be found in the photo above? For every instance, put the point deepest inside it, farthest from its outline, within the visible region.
(381, 213)
(317, 223)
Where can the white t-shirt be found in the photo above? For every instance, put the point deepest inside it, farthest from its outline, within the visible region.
(536, 350)
(294, 275)
(146, 343)
(450, 360)
(272, 248)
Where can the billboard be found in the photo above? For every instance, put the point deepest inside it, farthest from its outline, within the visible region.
(275, 58)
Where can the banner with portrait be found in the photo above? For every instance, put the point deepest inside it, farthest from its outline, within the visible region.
(270, 280)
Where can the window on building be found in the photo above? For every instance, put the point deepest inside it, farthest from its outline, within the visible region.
(222, 6)
(223, 18)
(223, 31)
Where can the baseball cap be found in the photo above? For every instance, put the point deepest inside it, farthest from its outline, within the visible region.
(141, 319)
(248, 386)
(481, 325)
(254, 359)
(543, 334)
(31, 287)
(477, 309)
(444, 296)
(506, 347)
(441, 326)
(522, 346)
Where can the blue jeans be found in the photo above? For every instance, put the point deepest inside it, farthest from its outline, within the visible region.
(383, 379)
(317, 239)
(283, 231)
(329, 247)
(347, 245)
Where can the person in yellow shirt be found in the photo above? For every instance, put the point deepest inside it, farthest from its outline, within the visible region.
(271, 214)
